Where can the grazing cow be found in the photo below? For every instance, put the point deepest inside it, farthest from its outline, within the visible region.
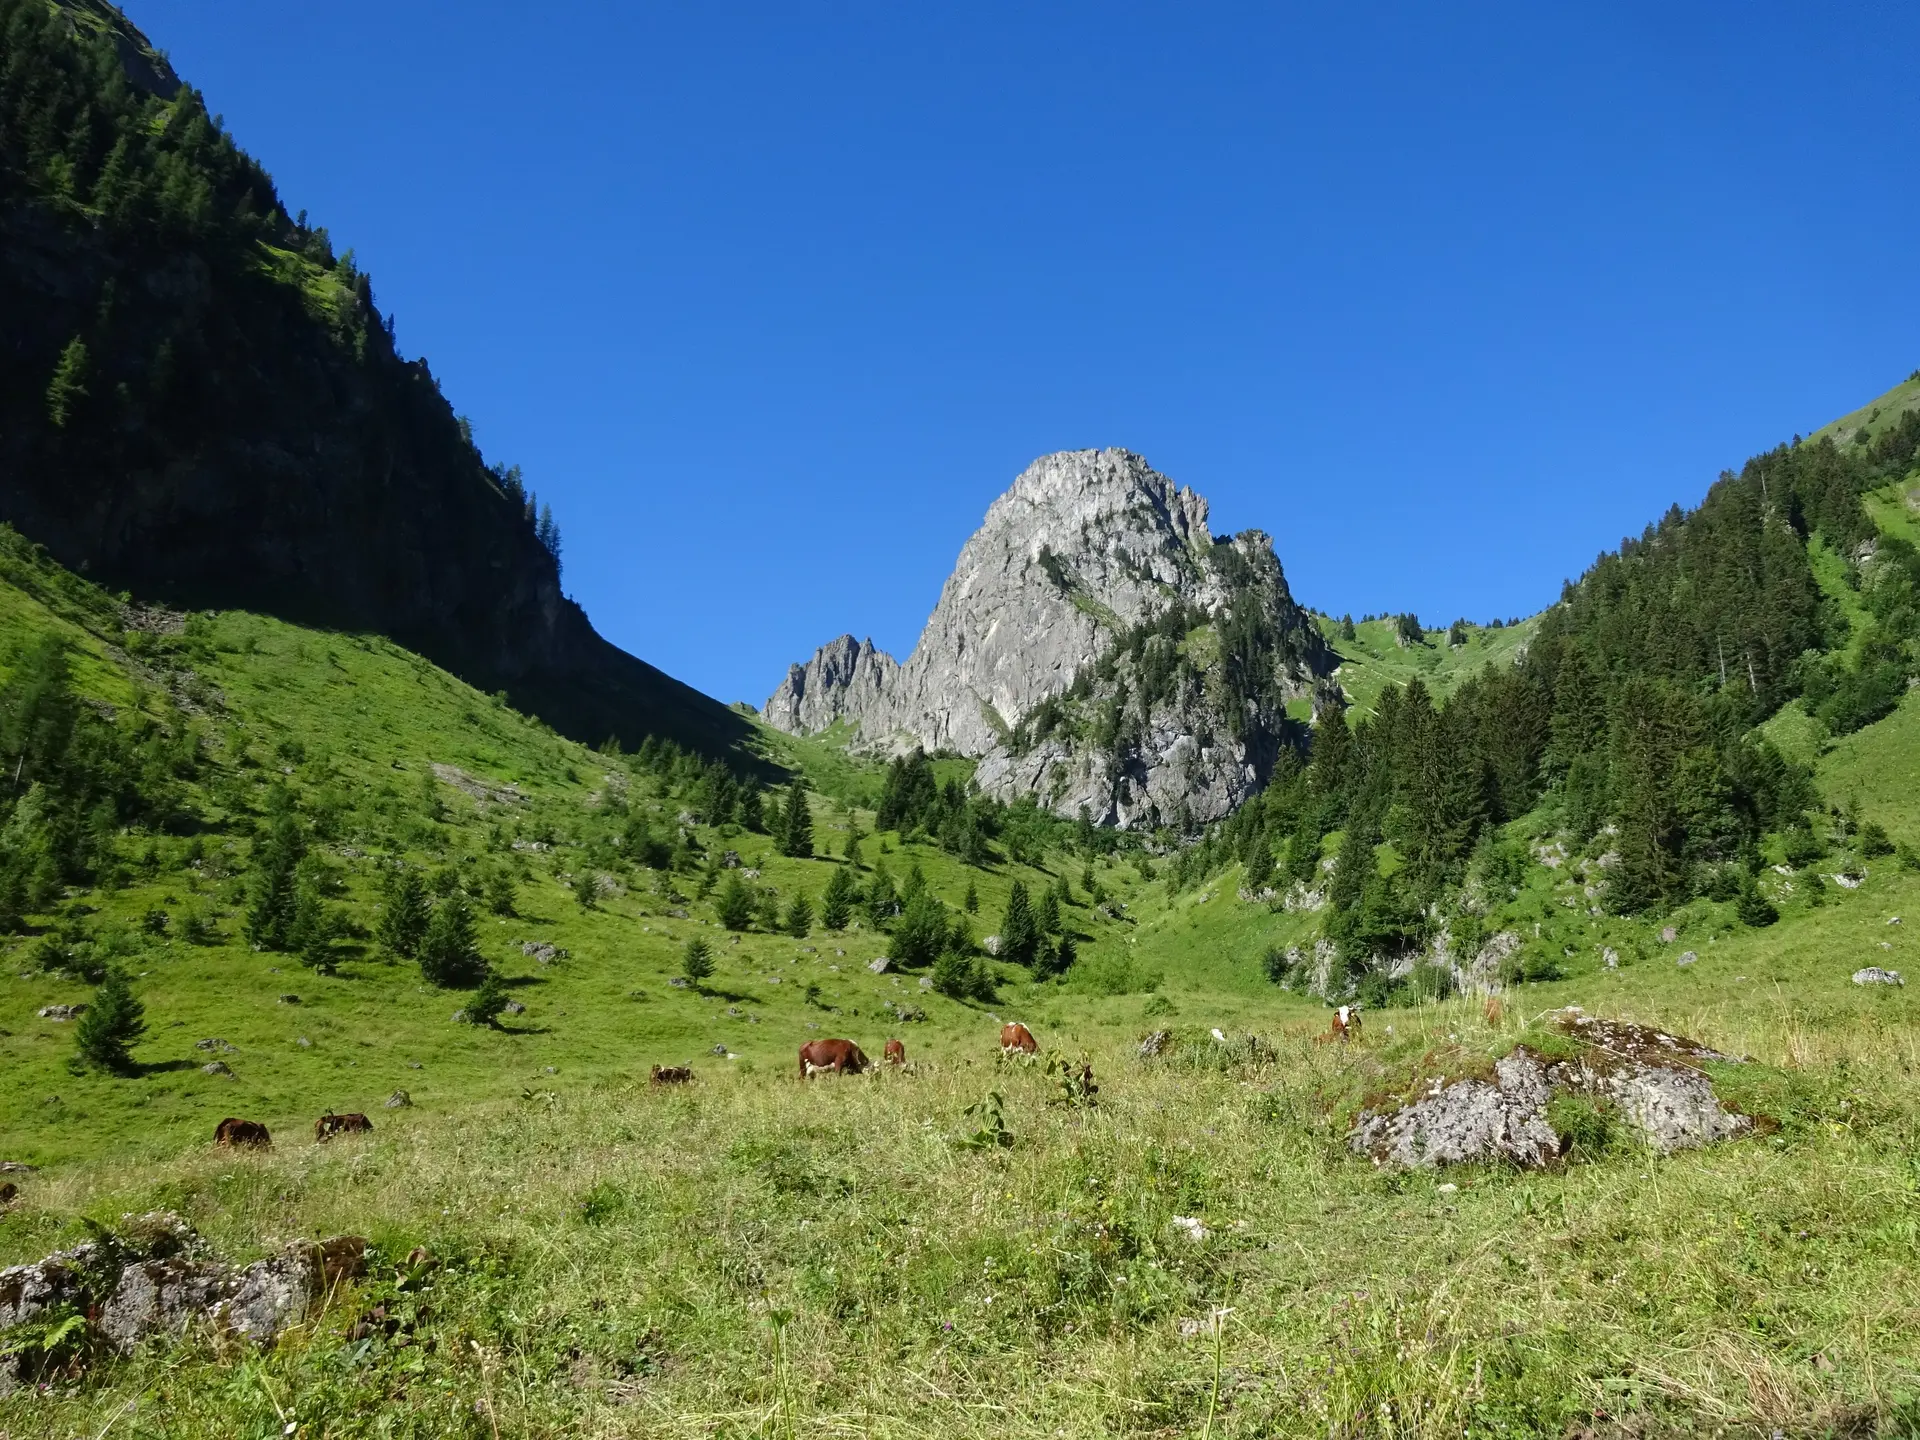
(249, 1133)
(1346, 1023)
(896, 1053)
(330, 1125)
(1015, 1037)
(672, 1074)
(843, 1057)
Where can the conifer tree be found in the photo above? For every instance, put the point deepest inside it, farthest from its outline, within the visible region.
(273, 898)
(922, 931)
(403, 924)
(1046, 917)
(972, 902)
(796, 837)
(111, 1025)
(799, 919)
(449, 957)
(586, 887)
(69, 385)
(734, 906)
(489, 1002)
(696, 963)
(1019, 935)
(836, 904)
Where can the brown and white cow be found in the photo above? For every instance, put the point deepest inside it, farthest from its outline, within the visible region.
(1346, 1023)
(672, 1074)
(842, 1057)
(1015, 1038)
(896, 1053)
(249, 1133)
(330, 1125)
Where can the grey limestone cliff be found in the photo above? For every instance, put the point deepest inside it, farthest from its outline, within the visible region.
(1095, 645)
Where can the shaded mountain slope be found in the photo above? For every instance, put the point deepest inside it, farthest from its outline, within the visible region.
(201, 403)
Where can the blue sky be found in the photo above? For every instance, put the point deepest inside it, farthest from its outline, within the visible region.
(771, 301)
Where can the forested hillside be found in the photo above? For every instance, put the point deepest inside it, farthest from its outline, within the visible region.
(1624, 733)
(201, 402)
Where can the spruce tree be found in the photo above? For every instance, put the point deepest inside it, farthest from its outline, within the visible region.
(972, 902)
(1046, 918)
(449, 957)
(922, 931)
(489, 1002)
(403, 924)
(69, 384)
(1019, 935)
(799, 921)
(273, 898)
(586, 887)
(696, 963)
(111, 1025)
(1753, 907)
(734, 906)
(836, 904)
(796, 838)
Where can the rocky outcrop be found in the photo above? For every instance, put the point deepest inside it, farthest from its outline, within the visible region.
(154, 1276)
(1651, 1080)
(845, 679)
(1095, 646)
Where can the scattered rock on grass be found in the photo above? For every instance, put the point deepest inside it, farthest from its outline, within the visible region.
(399, 1100)
(1652, 1077)
(61, 1012)
(1874, 975)
(1687, 957)
(217, 1067)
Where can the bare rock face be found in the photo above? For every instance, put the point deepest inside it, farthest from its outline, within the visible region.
(846, 678)
(156, 1296)
(1095, 646)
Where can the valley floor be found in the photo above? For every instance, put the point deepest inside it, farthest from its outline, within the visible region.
(1197, 1254)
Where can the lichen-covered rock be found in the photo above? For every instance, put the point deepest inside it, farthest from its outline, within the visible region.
(1651, 1077)
(270, 1295)
(155, 1296)
(1874, 975)
(1467, 1120)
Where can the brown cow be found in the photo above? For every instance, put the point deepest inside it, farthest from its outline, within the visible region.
(843, 1057)
(1346, 1024)
(330, 1125)
(249, 1133)
(1015, 1037)
(896, 1053)
(8, 1190)
(672, 1074)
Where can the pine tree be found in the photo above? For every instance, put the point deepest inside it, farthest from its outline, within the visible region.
(851, 850)
(799, 919)
(1753, 907)
(111, 1025)
(69, 385)
(403, 924)
(489, 1002)
(734, 907)
(836, 904)
(922, 931)
(273, 898)
(586, 887)
(314, 926)
(1019, 935)
(796, 834)
(1047, 917)
(449, 957)
(696, 963)
(972, 902)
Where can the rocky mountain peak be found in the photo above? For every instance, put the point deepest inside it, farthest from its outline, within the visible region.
(1047, 616)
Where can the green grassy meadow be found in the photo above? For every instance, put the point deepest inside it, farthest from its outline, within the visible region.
(959, 1249)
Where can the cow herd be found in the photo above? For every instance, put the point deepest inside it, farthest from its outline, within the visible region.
(817, 1057)
(235, 1134)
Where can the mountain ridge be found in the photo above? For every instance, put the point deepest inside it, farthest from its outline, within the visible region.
(201, 401)
(1085, 555)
